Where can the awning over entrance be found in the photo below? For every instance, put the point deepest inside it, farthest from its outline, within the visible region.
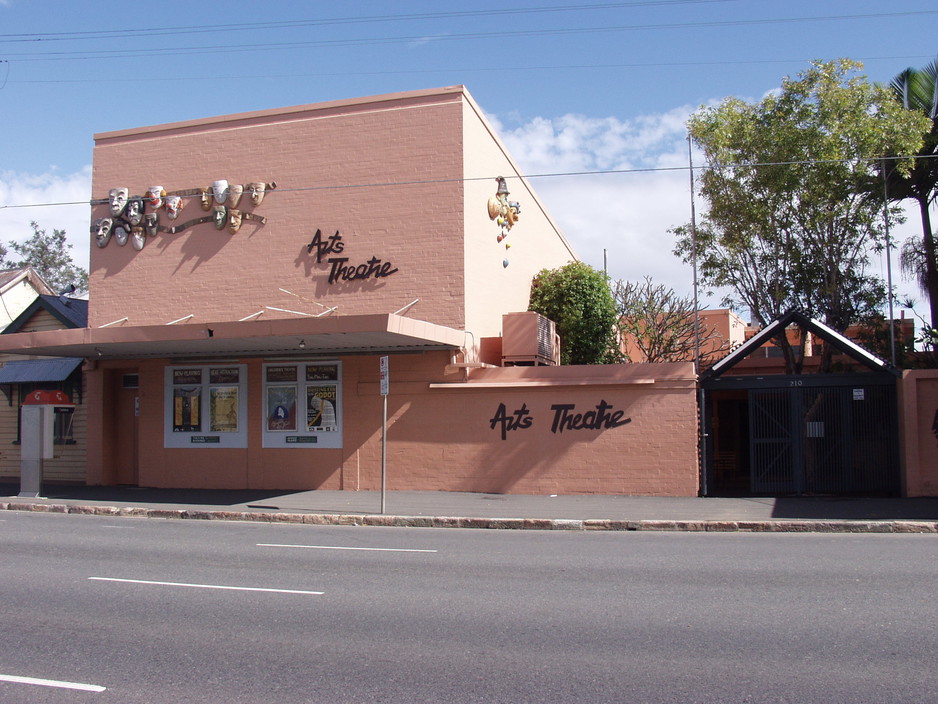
(31, 371)
(384, 333)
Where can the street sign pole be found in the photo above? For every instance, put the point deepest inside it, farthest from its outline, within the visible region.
(383, 373)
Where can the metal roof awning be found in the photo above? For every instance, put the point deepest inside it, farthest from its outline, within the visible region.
(30, 371)
(834, 338)
(356, 334)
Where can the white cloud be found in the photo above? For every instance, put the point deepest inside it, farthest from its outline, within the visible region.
(626, 215)
(55, 201)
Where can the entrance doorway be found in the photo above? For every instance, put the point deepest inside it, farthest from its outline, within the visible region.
(126, 416)
(812, 434)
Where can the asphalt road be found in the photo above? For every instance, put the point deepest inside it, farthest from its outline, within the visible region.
(140, 610)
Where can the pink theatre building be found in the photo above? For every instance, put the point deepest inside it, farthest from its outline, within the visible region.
(250, 273)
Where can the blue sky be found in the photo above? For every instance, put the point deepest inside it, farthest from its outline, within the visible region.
(571, 87)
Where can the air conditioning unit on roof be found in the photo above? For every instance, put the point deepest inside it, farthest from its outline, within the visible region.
(529, 339)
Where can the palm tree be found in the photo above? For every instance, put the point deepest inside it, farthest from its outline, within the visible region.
(917, 89)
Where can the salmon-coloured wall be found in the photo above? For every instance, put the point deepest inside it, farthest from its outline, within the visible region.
(445, 434)
(919, 423)
(384, 172)
(532, 244)
(404, 178)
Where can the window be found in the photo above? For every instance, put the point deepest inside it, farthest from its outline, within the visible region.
(303, 405)
(206, 406)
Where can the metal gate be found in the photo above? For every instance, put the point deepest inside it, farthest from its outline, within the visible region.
(824, 439)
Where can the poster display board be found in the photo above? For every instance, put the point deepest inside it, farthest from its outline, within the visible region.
(206, 406)
(303, 404)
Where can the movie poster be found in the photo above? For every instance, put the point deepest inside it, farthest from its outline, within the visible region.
(223, 409)
(321, 408)
(281, 408)
(186, 404)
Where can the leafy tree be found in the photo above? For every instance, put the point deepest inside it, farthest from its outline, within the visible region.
(790, 224)
(49, 256)
(917, 90)
(658, 325)
(577, 298)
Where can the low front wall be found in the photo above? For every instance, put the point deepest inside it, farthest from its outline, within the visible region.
(561, 430)
(624, 429)
(919, 423)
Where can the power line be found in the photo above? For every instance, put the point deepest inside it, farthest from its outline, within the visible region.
(512, 33)
(489, 69)
(527, 177)
(294, 24)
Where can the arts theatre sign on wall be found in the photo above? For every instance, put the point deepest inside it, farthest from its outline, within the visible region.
(339, 267)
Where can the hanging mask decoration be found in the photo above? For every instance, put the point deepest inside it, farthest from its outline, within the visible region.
(234, 220)
(256, 191)
(504, 212)
(220, 191)
(117, 198)
(121, 233)
(220, 216)
(138, 238)
(155, 195)
(206, 199)
(134, 210)
(173, 204)
(234, 195)
(151, 224)
(101, 229)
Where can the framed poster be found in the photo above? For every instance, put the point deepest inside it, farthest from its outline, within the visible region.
(187, 402)
(223, 409)
(321, 411)
(281, 408)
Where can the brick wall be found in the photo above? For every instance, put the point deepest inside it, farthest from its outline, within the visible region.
(385, 174)
(919, 424)
(447, 435)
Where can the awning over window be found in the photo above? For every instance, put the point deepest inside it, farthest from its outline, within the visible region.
(30, 371)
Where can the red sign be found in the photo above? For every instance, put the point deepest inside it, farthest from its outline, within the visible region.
(42, 397)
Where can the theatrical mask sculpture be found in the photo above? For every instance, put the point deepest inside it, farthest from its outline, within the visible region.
(206, 199)
(151, 224)
(173, 204)
(155, 196)
(121, 233)
(256, 191)
(134, 210)
(221, 217)
(138, 237)
(117, 198)
(234, 195)
(102, 231)
(234, 220)
(220, 191)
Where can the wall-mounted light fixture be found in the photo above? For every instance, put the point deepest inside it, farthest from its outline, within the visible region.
(302, 344)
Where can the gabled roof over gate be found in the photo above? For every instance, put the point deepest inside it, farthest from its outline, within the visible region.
(829, 335)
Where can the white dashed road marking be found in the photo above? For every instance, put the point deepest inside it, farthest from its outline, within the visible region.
(205, 586)
(52, 683)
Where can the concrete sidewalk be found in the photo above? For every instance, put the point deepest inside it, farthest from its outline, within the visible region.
(511, 511)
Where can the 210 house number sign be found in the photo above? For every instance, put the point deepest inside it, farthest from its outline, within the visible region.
(340, 269)
(601, 417)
